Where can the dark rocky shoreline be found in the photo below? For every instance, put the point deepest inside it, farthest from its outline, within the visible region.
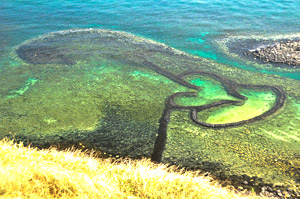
(285, 52)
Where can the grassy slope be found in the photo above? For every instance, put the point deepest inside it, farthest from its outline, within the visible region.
(31, 173)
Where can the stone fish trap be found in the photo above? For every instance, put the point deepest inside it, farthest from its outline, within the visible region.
(127, 48)
(135, 51)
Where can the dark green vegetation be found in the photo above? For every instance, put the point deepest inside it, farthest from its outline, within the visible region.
(108, 90)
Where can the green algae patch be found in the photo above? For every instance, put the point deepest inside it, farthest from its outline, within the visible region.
(210, 91)
(30, 82)
(77, 100)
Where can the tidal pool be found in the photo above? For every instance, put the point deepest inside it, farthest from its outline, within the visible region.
(256, 104)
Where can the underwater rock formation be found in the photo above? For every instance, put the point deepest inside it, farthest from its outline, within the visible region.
(41, 54)
(65, 47)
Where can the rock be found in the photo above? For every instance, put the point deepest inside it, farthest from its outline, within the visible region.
(245, 182)
(287, 52)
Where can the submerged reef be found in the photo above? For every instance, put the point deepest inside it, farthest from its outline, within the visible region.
(287, 52)
(43, 54)
(124, 95)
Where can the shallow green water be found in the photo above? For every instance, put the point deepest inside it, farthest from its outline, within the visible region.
(209, 92)
(257, 103)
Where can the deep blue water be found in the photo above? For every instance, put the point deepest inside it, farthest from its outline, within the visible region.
(193, 26)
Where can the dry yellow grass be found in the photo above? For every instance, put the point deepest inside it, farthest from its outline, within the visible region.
(31, 173)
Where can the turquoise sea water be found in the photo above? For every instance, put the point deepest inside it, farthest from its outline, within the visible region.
(193, 26)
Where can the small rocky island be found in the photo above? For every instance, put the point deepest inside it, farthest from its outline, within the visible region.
(285, 52)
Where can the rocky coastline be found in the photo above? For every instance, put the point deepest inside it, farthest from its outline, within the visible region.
(285, 52)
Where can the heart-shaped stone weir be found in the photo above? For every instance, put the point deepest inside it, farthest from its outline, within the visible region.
(129, 96)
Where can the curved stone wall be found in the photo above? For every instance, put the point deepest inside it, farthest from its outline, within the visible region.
(231, 88)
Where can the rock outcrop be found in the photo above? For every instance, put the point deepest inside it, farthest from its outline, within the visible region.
(287, 52)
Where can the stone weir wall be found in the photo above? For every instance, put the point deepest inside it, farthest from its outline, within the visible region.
(287, 52)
